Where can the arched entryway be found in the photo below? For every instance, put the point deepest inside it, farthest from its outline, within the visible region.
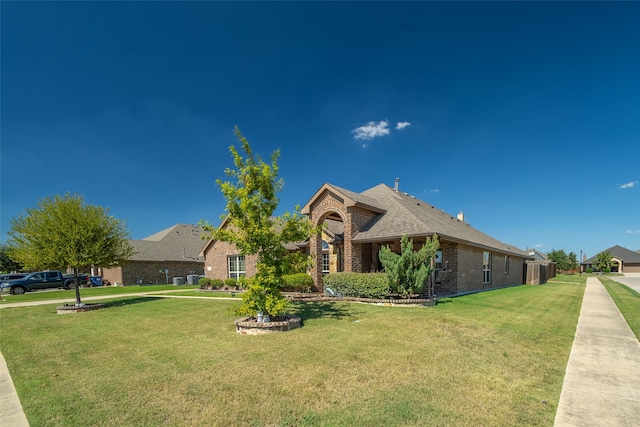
(328, 248)
(352, 212)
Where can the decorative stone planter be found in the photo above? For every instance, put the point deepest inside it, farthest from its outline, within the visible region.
(251, 326)
(73, 308)
(391, 302)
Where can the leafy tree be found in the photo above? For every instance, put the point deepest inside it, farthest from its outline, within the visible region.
(251, 199)
(64, 232)
(563, 260)
(7, 263)
(603, 262)
(408, 272)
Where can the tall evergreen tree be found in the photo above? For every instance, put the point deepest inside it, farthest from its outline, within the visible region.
(408, 271)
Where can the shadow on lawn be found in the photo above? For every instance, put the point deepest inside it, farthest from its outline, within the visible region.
(131, 301)
(317, 310)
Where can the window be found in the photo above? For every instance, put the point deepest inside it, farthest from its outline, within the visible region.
(486, 267)
(325, 263)
(236, 267)
(438, 266)
(506, 264)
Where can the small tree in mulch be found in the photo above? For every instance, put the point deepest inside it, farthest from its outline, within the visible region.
(408, 271)
(64, 232)
(251, 199)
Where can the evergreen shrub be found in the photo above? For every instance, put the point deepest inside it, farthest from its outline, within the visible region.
(217, 283)
(204, 282)
(299, 282)
(358, 285)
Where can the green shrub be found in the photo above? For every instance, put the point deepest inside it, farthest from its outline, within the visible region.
(299, 282)
(589, 270)
(217, 283)
(230, 283)
(360, 285)
(204, 282)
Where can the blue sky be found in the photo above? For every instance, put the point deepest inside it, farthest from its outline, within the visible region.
(525, 116)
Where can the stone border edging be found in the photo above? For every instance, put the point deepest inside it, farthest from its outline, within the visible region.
(384, 302)
(67, 309)
(245, 326)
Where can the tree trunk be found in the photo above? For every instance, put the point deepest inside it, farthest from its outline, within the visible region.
(75, 279)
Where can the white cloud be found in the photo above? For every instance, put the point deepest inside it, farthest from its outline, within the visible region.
(633, 232)
(402, 125)
(372, 130)
(539, 245)
(629, 184)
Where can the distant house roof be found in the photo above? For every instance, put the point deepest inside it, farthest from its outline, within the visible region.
(182, 242)
(401, 213)
(536, 254)
(623, 254)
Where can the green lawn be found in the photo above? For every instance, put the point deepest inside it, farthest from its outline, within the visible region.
(90, 292)
(492, 359)
(627, 300)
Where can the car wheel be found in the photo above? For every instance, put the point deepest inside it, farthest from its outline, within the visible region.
(18, 290)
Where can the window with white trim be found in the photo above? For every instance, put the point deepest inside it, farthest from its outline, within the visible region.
(486, 267)
(506, 264)
(325, 263)
(325, 258)
(237, 267)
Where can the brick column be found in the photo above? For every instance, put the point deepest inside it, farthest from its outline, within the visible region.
(315, 250)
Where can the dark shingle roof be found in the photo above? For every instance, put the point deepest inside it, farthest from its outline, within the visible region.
(623, 254)
(406, 214)
(182, 242)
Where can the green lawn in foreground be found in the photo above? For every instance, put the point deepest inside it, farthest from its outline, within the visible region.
(89, 292)
(492, 359)
(627, 300)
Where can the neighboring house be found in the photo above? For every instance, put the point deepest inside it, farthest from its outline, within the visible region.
(157, 259)
(536, 255)
(357, 225)
(624, 260)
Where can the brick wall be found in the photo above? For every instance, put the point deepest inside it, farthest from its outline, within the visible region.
(470, 273)
(216, 261)
(149, 272)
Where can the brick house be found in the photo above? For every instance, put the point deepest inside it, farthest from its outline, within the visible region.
(157, 259)
(624, 260)
(357, 225)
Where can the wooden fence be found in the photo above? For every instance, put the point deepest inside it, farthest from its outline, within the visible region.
(538, 272)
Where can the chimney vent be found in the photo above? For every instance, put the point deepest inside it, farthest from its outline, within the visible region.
(397, 185)
(461, 216)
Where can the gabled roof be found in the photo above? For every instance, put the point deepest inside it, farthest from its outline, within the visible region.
(290, 246)
(350, 198)
(182, 242)
(536, 254)
(405, 214)
(623, 254)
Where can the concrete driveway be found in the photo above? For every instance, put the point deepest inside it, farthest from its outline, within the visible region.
(632, 280)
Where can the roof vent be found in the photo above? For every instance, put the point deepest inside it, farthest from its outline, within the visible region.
(461, 216)
(396, 185)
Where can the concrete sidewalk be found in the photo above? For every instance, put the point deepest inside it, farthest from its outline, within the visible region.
(11, 413)
(602, 381)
